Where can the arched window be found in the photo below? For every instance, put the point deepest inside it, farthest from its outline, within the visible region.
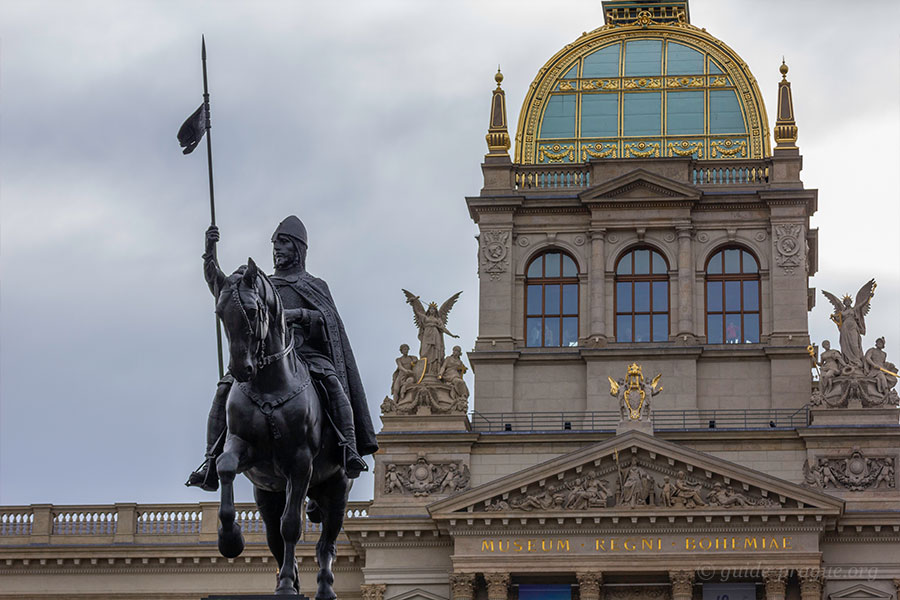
(642, 297)
(732, 298)
(551, 301)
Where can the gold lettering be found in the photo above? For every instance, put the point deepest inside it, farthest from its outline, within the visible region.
(517, 545)
(600, 545)
(708, 543)
(487, 546)
(787, 543)
(646, 544)
(612, 544)
(629, 544)
(560, 544)
(690, 544)
(531, 548)
(773, 544)
(545, 544)
(500, 546)
(749, 543)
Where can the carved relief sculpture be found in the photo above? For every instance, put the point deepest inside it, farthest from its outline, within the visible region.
(494, 252)
(423, 478)
(850, 377)
(430, 383)
(855, 472)
(788, 246)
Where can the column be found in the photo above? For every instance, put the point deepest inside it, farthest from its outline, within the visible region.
(685, 282)
(589, 585)
(598, 286)
(497, 585)
(682, 584)
(811, 582)
(462, 586)
(775, 582)
(375, 591)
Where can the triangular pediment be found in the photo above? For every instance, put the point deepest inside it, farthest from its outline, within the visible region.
(416, 594)
(859, 592)
(635, 473)
(640, 185)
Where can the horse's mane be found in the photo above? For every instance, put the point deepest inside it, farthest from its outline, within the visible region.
(267, 291)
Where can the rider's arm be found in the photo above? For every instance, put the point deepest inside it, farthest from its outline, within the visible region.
(211, 271)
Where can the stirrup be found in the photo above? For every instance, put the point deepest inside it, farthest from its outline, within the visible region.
(205, 476)
(353, 462)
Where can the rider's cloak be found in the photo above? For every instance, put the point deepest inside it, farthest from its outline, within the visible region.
(307, 291)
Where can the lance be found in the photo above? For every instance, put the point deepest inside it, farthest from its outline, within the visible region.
(212, 195)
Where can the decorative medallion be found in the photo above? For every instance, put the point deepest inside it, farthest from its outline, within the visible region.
(760, 236)
(788, 245)
(495, 252)
(579, 240)
(703, 237)
(669, 237)
(523, 241)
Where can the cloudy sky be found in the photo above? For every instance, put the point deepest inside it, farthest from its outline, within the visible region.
(367, 119)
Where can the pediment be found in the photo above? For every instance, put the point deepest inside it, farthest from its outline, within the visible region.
(859, 592)
(637, 474)
(640, 186)
(416, 594)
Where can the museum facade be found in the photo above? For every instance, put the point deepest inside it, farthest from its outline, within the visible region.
(646, 423)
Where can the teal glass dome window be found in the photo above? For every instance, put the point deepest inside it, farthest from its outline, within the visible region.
(643, 98)
(732, 297)
(642, 297)
(551, 301)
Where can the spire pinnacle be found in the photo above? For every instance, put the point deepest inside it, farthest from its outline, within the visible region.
(498, 136)
(785, 126)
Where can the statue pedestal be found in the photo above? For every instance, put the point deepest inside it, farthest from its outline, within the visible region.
(824, 417)
(643, 425)
(431, 422)
(251, 597)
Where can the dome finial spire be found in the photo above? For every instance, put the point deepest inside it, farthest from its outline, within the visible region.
(498, 136)
(785, 126)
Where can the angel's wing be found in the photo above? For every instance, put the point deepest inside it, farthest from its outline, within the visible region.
(444, 310)
(655, 381)
(418, 309)
(863, 296)
(613, 386)
(838, 306)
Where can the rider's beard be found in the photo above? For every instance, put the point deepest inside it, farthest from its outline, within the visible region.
(284, 261)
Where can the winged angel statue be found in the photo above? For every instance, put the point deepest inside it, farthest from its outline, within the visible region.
(851, 322)
(432, 325)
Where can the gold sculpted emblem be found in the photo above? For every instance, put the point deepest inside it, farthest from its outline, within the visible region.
(633, 391)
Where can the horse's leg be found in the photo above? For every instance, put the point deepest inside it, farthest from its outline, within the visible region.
(271, 505)
(231, 542)
(297, 484)
(331, 496)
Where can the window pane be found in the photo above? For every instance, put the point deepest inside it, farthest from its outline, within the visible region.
(751, 295)
(750, 265)
(551, 264)
(570, 299)
(642, 296)
(732, 261)
(551, 332)
(559, 117)
(714, 296)
(660, 296)
(659, 264)
(624, 266)
(534, 299)
(732, 295)
(732, 328)
(714, 329)
(533, 335)
(660, 328)
(642, 328)
(623, 328)
(570, 331)
(751, 329)
(623, 297)
(715, 264)
(569, 269)
(534, 269)
(551, 300)
(641, 262)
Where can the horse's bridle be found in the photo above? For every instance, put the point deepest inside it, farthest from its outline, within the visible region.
(260, 328)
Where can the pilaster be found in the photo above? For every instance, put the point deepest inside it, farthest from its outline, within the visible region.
(598, 287)
(682, 584)
(462, 586)
(589, 584)
(811, 584)
(497, 585)
(126, 522)
(776, 580)
(685, 282)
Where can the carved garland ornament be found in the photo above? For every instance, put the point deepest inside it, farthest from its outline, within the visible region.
(423, 478)
(787, 246)
(495, 252)
(855, 472)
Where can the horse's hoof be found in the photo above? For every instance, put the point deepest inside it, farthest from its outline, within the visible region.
(326, 595)
(286, 588)
(231, 543)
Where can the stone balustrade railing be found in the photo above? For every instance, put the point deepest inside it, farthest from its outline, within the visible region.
(136, 523)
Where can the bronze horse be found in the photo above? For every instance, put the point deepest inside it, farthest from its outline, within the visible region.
(279, 435)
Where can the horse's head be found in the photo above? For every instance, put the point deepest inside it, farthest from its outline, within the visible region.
(251, 312)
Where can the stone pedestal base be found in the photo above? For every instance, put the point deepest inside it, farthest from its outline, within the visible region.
(450, 422)
(854, 416)
(252, 597)
(644, 426)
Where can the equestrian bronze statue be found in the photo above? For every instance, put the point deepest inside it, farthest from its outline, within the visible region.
(291, 413)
